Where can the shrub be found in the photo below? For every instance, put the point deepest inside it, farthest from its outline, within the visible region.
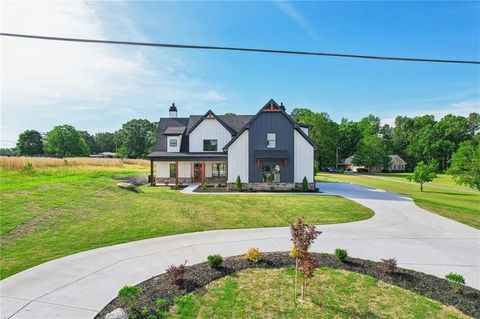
(293, 252)
(250, 188)
(341, 253)
(176, 273)
(161, 307)
(128, 296)
(388, 266)
(456, 281)
(214, 261)
(28, 167)
(305, 184)
(253, 255)
(238, 183)
(204, 186)
(272, 188)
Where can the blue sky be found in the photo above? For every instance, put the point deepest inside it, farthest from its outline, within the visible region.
(97, 88)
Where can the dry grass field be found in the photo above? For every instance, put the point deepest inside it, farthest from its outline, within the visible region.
(19, 163)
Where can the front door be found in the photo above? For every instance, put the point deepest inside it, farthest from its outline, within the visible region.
(198, 173)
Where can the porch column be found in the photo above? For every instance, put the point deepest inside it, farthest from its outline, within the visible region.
(176, 172)
(203, 172)
(152, 178)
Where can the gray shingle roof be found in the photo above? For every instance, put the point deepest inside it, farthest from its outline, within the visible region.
(176, 126)
(174, 130)
(161, 142)
(180, 125)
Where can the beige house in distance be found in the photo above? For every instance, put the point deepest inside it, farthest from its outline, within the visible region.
(397, 164)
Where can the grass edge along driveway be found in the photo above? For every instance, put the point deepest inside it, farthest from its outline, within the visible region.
(58, 212)
(441, 197)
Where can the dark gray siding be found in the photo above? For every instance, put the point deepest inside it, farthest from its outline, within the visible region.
(274, 122)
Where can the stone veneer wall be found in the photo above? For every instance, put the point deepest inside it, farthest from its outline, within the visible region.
(216, 179)
(172, 181)
(276, 186)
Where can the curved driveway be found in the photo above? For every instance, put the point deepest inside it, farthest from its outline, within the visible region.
(80, 285)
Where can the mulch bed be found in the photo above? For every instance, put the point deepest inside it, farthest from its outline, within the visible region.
(199, 275)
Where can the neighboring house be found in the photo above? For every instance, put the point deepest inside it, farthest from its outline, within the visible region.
(268, 149)
(104, 155)
(397, 164)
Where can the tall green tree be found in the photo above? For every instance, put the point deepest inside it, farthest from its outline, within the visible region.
(9, 151)
(64, 141)
(324, 133)
(465, 165)
(30, 143)
(349, 134)
(369, 125)
(90, 140)
(450, 131)
(137, 138)
(372, 153)
(424, 173)
(473, 123)
(106, 142)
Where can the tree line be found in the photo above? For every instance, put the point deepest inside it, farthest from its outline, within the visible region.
(133, 140)
(415, 139)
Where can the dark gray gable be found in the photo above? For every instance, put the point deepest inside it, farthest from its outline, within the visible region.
(272, 106)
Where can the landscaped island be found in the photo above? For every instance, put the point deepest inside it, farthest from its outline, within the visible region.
(352, 288)
(52, 212)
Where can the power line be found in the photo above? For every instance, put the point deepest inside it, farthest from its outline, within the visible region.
(206, 47)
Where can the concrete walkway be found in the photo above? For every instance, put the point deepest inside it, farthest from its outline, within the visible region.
(80, 285)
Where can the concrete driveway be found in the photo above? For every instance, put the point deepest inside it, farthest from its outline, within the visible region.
(80, 285)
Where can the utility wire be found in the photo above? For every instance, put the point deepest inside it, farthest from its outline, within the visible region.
(205, 47)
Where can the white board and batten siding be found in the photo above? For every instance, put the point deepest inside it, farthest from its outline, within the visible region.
(209, 129)
(184, 169)
(238, 159)
(303, 158)
(176, 148)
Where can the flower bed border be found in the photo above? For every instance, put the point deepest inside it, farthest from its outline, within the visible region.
(199, 275)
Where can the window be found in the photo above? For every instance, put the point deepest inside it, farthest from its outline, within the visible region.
(271, 140)
(271, 173)
(218, 170)
(210, 145)
(173, 142)
(173, 170)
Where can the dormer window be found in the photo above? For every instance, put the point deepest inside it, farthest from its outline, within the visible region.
(271, 140)
(210, 145)
(173, 142)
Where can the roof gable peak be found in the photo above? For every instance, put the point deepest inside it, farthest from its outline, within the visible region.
(271, 106)
(211, 116)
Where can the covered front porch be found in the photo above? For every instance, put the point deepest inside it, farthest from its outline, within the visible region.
(174, 168)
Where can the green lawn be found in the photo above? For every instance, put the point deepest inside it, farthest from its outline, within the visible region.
(442, 197)
(60, 211)
(332, 293)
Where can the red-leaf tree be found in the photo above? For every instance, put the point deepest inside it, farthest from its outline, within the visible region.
(303, 235)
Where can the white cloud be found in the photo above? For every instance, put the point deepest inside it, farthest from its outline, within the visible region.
(289, 9)
(94, 87)
(463, 108)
